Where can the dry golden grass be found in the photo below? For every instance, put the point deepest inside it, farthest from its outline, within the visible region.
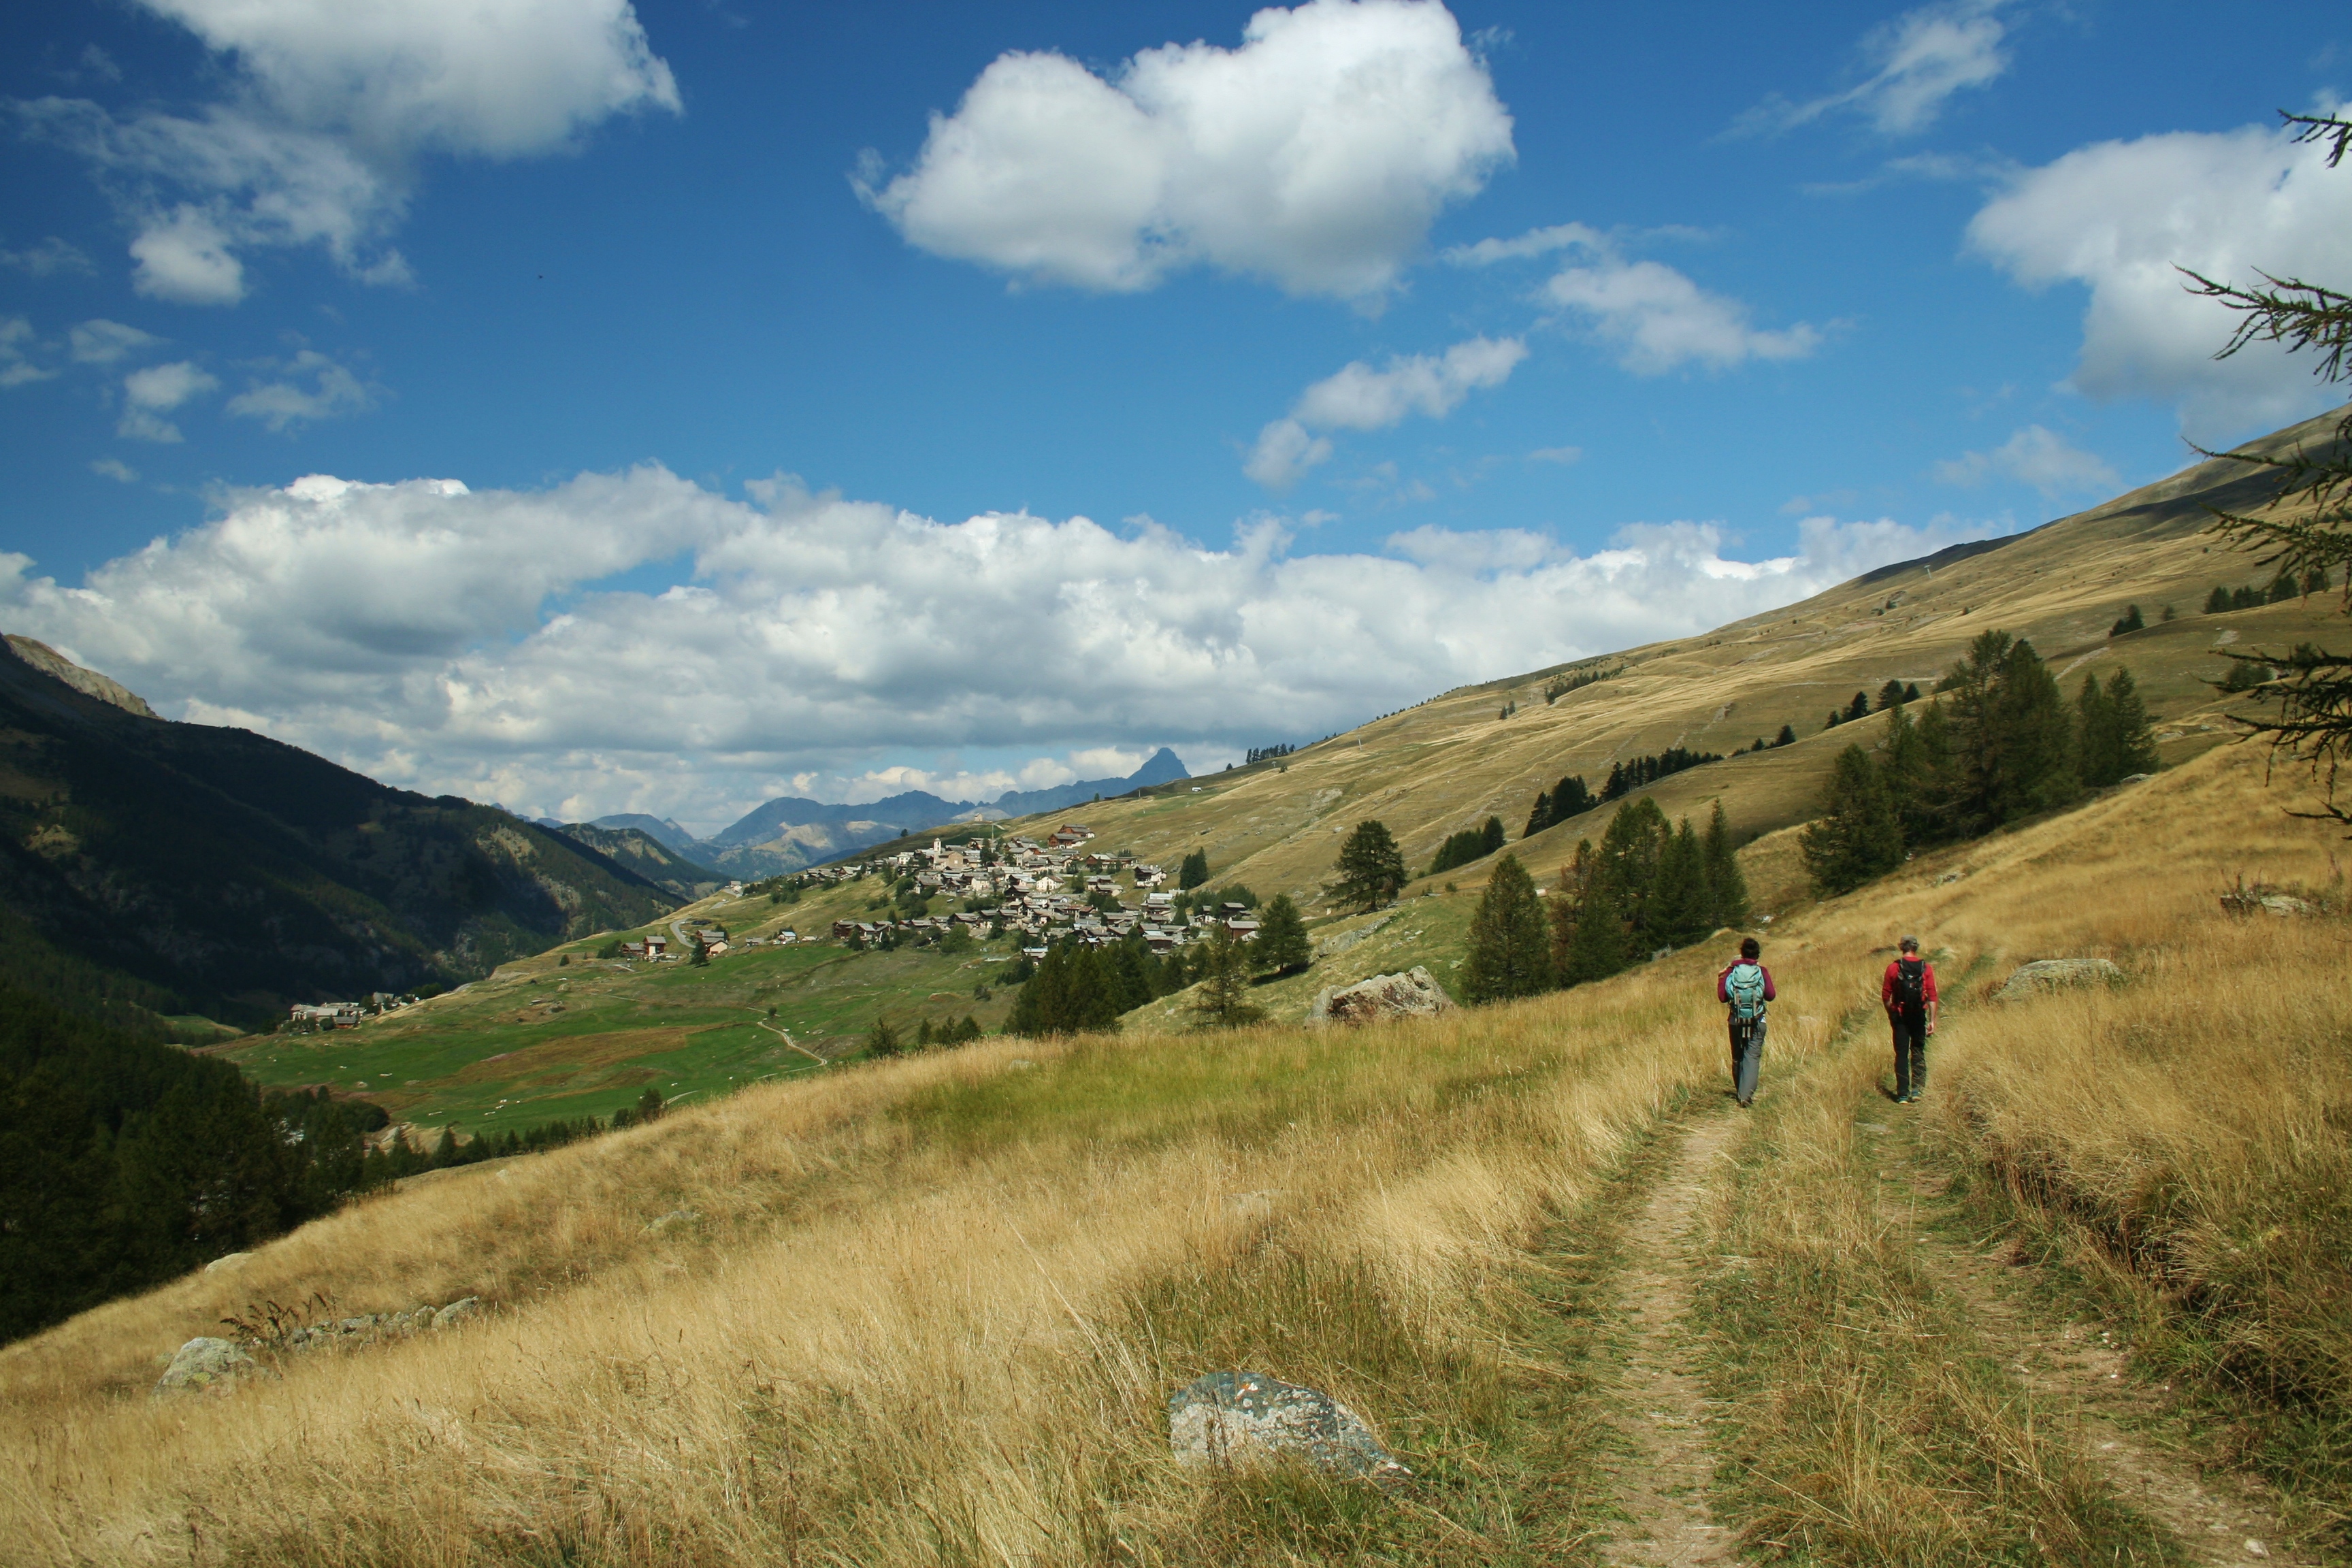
(2183, 1135)
(932, 1314)
(930, 1311)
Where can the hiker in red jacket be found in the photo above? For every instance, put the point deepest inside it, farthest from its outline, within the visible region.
(1908, 994)
(1743, 987)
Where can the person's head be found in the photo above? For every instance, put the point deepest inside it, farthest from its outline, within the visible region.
(1750, 949)
(1910, 945)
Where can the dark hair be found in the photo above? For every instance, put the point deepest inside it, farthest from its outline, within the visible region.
(1750, 948)
(1910, 944)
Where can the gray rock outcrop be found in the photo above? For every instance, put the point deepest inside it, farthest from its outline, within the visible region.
(457, 1312)
(1414, 994)
(1333, 946)
(204, 1363)
(1238, 1419)
(2056, 973)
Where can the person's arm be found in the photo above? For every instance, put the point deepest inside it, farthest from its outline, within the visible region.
(1927, 988)
(1769, 994)
(1886, 989)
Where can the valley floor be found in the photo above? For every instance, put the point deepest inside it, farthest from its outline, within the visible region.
(2086, 1303)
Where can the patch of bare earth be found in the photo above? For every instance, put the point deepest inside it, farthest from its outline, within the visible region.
(1662, 1479)
(2221, 1517)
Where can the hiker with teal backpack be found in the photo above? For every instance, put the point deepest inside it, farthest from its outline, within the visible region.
(1908, 993)
(1744, 987)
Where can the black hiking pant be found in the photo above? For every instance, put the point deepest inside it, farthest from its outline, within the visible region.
(1747, 1051)
(1910, 1051)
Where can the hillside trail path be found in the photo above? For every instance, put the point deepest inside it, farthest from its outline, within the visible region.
(786, 1036)
(1662, 1481)
(2220, 1517)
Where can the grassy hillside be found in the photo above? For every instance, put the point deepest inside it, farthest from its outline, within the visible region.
(1428, 771)
(227, 873)
(928, 1311)
(1446, 763)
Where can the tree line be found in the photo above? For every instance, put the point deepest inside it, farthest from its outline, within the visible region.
(2285, 586)
(1647, 885)
(124, 1162)
(1999, 741)
(1081, 987)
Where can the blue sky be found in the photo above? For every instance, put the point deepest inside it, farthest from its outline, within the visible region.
(601, 408)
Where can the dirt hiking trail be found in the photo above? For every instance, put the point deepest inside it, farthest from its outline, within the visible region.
(1662, 1480)
(2221, 1518)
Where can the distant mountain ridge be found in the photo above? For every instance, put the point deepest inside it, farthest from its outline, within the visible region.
(789, 832)
(646, 855)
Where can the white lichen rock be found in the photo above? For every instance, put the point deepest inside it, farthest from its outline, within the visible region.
(205, 1364)
(1239, 1419)
(2055, 974)
(1413, 994)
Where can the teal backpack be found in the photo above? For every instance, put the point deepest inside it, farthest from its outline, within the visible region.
(1745, 986)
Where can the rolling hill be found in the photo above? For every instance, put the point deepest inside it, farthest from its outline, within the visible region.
(1436, 768)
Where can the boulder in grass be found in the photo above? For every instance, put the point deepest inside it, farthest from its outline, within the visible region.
(1241, 1419)
(205, 1364)
(1413, 994)
(2056, 973)
(457, 1312)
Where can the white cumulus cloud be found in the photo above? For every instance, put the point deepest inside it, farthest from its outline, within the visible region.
(1657, 320)
(308, 386)
(149, 394)
(101, 341)
(2121, 218)
(1316, 155)
(457, 641)
(2033, 456)
(1359, 397)
(16, 366)
(1917, 63)
(47, 258)
(329, 104)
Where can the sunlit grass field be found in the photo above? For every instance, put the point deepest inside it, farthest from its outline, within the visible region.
(928, 1311)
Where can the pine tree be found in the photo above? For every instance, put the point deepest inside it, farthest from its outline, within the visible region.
(1892, 695)
(2134, 732)
(1683, 902)
(1538, 815)
(2283, 587)
(2217, 602)
(2095, 735)
(1859, 708)
(1857, 836)
(882, 1040)
(1787, 737)
(1569, 797)
(1193, 870)
(1370, 867)
(1725, 883)
(1223, 1001)
(2130, 622)
(1490, 837)
(1126, 976)
(1628, 864)
(1907, 769)
(1510, 950)
(1282, 944)
(1598, 943)
(1567, 902)
(2012, 737)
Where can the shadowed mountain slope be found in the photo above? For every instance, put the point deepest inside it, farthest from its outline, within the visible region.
(238, 873)
(648, 856)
